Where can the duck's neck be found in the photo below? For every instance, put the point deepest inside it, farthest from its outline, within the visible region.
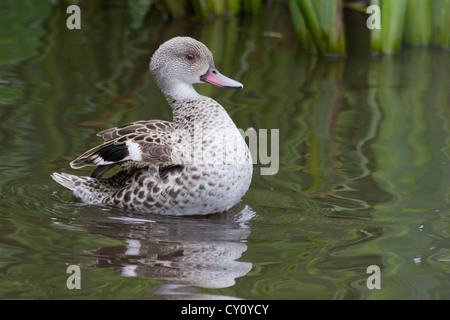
(179, 91)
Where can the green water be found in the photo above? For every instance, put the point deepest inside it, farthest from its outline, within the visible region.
(363, 175)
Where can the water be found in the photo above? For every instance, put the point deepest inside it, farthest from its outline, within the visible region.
(363, 176)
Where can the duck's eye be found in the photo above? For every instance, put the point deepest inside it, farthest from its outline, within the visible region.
(190, 57)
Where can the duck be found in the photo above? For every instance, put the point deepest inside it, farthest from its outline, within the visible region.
(196, 164)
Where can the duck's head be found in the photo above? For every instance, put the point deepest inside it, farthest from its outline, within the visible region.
(183, 61)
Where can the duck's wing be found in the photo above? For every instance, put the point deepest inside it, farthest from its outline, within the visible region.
(138, 127)
(142, 142)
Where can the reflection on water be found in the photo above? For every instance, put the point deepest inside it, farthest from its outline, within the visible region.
(186, 252)
(362, 180)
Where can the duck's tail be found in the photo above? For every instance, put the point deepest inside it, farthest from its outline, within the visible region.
(87, 189)
(64, 179)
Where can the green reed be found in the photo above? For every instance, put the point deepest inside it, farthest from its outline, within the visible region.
(204, 10)
(392, 24)
(441, 23)
(418, 22)
(411, 22)
(303, 35)
(320, 24)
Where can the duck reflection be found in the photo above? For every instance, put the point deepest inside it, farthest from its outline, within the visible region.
(198, 251)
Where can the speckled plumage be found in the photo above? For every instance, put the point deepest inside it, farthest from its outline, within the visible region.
(197, 164)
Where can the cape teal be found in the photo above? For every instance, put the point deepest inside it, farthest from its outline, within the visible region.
(197, 164)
